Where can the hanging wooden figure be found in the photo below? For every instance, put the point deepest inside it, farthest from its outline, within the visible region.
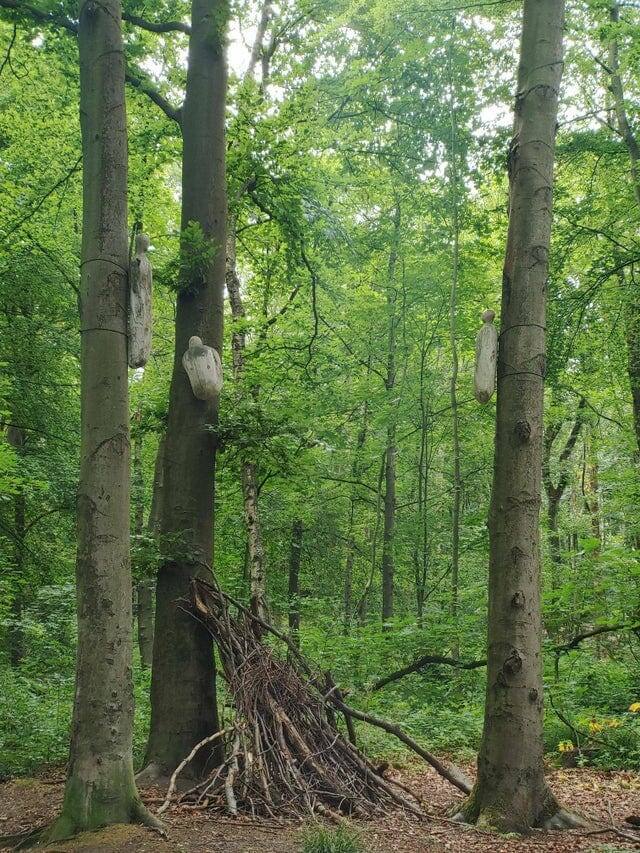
(140, 315)
(484, 383)
(204, 369)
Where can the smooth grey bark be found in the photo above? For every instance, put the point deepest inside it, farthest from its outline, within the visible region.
(100, 787)
(182, 650)
(388, 534)
(511, 793)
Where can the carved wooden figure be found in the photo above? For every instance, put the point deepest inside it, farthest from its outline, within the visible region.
(484, 383)
(140, 316)
(204, 369)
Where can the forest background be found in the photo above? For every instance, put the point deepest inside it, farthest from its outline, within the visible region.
(367, 188)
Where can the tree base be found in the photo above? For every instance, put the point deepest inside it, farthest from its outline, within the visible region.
(66, 827)
(493, 817)
(152, 776)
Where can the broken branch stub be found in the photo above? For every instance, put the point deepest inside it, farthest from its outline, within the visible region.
(140, 314)
(204, 369)
(484, 383)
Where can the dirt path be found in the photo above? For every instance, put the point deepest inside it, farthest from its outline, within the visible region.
(27, 803)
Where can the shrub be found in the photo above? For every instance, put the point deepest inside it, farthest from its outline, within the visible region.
(321, 839)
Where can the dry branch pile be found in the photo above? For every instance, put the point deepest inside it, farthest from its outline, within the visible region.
(285, 753)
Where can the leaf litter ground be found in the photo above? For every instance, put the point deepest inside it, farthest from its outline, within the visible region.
(605, 798)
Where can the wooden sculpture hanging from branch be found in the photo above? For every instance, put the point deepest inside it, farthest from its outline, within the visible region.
(140, 315)
(204, 369)
(484, 383)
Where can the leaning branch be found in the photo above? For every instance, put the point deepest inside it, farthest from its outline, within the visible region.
(436, 660)
(157, 26)
(424, 661)
(142, 83)
(595, 632)
(453, 775)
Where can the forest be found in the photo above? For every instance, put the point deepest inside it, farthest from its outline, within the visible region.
(320, 425)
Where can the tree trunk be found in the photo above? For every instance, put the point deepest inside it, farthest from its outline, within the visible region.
(356, 467)
(182, 651)
(632, 312)
(294, 581)
(511, 793)
(144, 586)
(555, 492)
(16, 438)
(388, 535)
(16, 631)
(249, 473)
(100, 786)
(453, 310)
(591, 489)
(421, 552)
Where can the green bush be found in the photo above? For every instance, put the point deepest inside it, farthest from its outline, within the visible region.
(321, 839)
(36, 719)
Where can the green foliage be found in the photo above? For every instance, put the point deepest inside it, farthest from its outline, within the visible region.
(36, 720)
(189, 272)
(322, 839)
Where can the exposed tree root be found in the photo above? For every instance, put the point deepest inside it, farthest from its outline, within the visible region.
(286, 755)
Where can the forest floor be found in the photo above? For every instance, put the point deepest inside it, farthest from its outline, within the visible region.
(605, 798)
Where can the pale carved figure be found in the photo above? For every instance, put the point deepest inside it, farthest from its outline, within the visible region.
(140, 315)
(486, 359)
(204, 369)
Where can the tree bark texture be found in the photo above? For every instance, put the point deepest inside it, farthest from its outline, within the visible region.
(511, 793)
(182, 651)
(100, 786)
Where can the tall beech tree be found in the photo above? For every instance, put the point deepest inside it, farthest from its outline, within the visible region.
(183, 652)
(511, 793)
(100, 785)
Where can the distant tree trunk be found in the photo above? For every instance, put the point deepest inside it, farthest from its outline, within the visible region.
(182, 651)
(100, 787)
(16, 438)
(16, 633)
(249, 472)
(632, 312)
(363, 604)
(294, 581)
(351, 541)
(145, 586)
(591, 492)
(555, 492)
(453, 310)
(421, 551)
(511, 793)
(388, 535)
